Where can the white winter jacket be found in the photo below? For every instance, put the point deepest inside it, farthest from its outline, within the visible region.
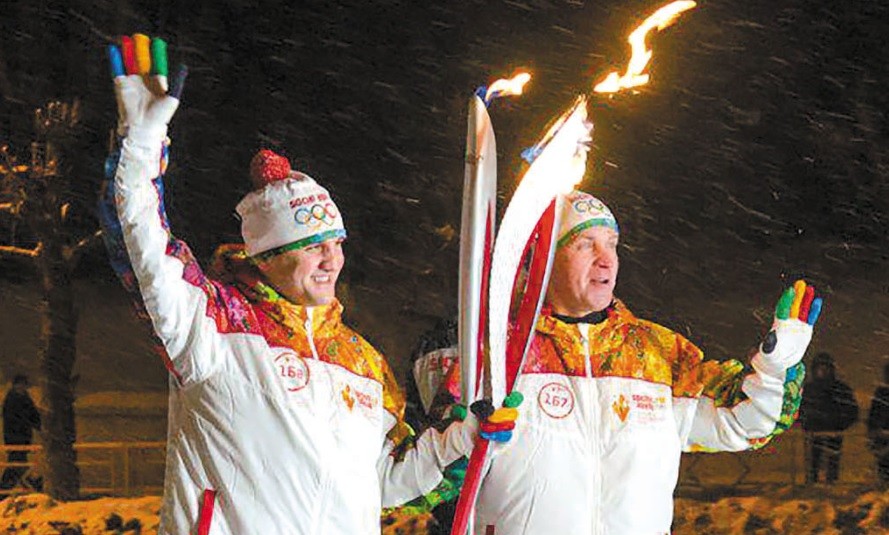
(282, 420)
(608, 409)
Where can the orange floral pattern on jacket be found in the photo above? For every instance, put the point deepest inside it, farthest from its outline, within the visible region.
(282, 323)
(626, 346)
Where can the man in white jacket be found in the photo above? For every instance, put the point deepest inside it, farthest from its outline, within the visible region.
(282, 419)
(613, 399)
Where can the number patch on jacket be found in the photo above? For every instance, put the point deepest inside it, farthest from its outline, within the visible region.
(556, 400)
(293, 371)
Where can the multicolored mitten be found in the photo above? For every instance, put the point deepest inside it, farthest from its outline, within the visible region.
(145, 102)
(795, 315)
(497, 425)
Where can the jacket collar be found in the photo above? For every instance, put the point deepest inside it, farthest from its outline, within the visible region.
(549, 324)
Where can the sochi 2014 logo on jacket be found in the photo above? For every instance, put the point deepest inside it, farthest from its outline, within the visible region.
(293, 371)
(640, 407)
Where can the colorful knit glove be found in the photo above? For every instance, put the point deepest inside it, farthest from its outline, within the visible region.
(795, 315)
(497, 425)
(144, 104)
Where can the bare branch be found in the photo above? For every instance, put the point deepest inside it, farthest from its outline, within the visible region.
(21, 251)
(88, 241)
(12, 207)
(74, 253)
(10, 167)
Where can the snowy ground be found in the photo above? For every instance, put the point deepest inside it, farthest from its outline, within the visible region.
(812, 511)
(37, 514)
(746, 493)
(788, 511)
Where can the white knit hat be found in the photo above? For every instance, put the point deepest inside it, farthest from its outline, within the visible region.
(287, 211)
(580, 211)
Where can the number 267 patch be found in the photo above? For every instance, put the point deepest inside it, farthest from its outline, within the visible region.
(556, 400)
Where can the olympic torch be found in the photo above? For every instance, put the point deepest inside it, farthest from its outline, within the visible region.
(476, 237)
(528, 228)
(477, 230)
(477, 233)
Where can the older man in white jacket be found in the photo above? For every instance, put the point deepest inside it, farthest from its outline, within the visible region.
(614, 399)
(282, 419)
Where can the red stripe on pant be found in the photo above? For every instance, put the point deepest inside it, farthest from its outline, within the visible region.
(206, 517)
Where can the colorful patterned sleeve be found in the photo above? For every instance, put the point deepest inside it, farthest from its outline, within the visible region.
(160, 269)
(112, 236)
(730, 406)
(452, 481)
(112, 233)
(445, 492)
(419, 471)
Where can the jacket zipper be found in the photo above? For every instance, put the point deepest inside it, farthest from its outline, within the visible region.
(309, 334)
(325, 482)
(595, 424)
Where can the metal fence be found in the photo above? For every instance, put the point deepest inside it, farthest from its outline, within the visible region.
(137, 468)
(106, 468)
(784, 461)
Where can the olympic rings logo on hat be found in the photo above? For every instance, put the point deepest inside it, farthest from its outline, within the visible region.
(316, 215)
(585, 205)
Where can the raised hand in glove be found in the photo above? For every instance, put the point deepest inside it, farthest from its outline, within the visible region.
(145, 101)
(795, 315)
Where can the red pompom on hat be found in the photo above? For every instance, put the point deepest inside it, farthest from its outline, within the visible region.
(267, 167)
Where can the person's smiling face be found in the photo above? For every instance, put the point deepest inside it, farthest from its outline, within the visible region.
(306, 276)
(584, 273)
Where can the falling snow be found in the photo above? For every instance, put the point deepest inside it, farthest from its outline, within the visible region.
(759, 152)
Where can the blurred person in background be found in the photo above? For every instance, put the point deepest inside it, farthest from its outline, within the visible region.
(878, 428)
(429, 398)
(20, 419)
(828, 409)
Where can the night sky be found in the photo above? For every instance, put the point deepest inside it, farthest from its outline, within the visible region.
(757, 153)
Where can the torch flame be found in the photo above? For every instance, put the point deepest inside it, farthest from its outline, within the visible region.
(507, 87)
(661, 18)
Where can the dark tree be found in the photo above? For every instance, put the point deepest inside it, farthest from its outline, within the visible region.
(39, 196)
